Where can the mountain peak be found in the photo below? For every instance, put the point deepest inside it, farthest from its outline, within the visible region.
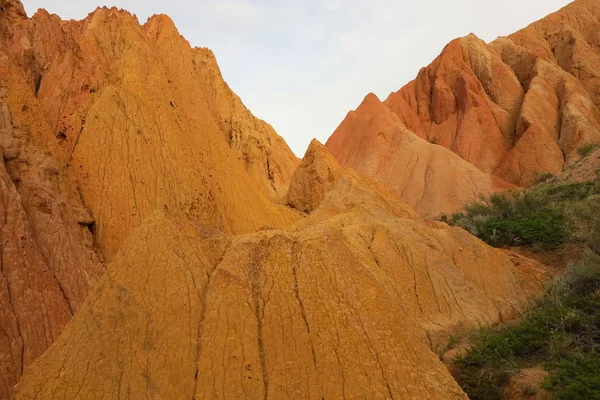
(514, 110)
(315, 176)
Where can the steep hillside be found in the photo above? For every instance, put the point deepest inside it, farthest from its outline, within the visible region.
(516, 109)
(143, 254)
(347, 303)
(47, 261)
(96, 133)
(139, 128)
(429, 178)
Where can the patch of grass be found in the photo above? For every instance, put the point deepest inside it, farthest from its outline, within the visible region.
(545, 227)
(544, 178)
(588, 148)
(545, 216)
(529, 391)
(576, 377)
(561, 332)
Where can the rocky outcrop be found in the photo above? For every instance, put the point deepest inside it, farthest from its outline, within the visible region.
(264, 154)
(516, 109)
(316, 175)
(47, 259)
(428, 177)
(96, 132)
(347, 303)
(142, 121)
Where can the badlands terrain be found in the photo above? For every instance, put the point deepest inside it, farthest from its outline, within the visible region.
(157, 241)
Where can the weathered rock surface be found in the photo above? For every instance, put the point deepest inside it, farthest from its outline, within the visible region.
(142, 121)
(336, 307)
(516, 109)
(430, 178)
(264, 154)
(47, 260)
(93, 138)
(316, 175)
(122, 144)
(585, 169)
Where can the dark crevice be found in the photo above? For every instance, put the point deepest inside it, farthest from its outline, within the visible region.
(92, 228)
(203, 295)
(255, 272)
(270, 174)
(37, 83)
(295, 263)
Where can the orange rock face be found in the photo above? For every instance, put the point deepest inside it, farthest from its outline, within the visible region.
(347, 302)
(430, 178)
(122, 146)
(96, 133)
(315, 176)
(47, 259)
(515, 109)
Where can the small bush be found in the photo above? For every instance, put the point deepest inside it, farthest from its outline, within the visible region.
(545, 216)
(544, 177)
(577, 377)
(546, 227)
(520, 218)
(588, 149)
(562, 332)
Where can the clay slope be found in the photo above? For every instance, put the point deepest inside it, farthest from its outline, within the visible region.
(516, 109)
(431, 179)
(346, 304)
(142, 121)
(47, 260)
(96, 133)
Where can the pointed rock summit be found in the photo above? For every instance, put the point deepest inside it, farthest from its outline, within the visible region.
(428, 177)
(316, 175)
(510, 111)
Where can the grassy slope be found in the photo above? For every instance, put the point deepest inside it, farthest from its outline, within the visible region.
(562, 331)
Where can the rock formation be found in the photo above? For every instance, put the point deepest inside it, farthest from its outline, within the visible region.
(96, 133)
(337, 305)
(47, 260)
(429, 178)
(140, 128)
(140, 200)
(315, 176)
(515, 109)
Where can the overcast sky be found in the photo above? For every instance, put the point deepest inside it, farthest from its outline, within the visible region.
(301, 65)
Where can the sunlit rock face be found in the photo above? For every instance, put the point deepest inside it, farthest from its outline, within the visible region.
(158, 241)
(508, 112)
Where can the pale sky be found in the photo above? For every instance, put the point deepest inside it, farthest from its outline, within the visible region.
(301, 65)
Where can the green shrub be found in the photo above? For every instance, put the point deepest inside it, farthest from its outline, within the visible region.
(546, 227)
(577, 377)
(561, 332)
(588, 149)
(544, 216)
